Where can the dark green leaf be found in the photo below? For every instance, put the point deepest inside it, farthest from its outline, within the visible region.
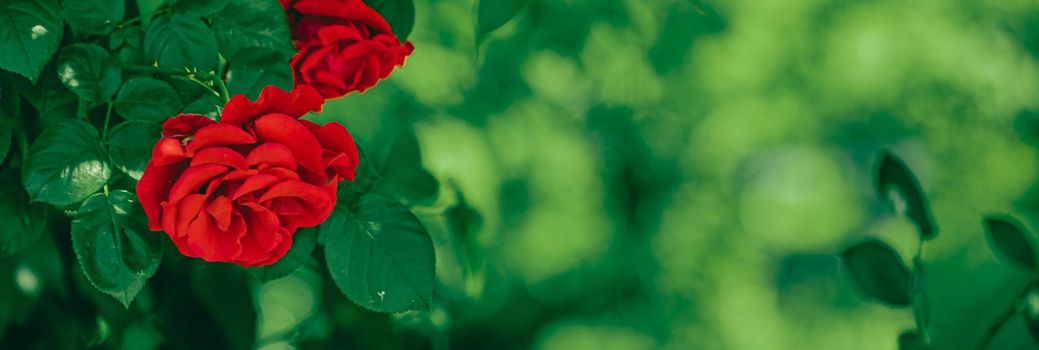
(30, 31)
(911, 340)
(364, 182)
(130, 146)
(303, 243)
(400, 14)
(207, 104)
(252, 23)
(198, 7)
(8, 98)
(147, 99)
(23, 222)
(894, 175)
(404, 177)
(66, 164)
(94, 16)
(255, 68)
(89, 72)
(1009, 240)
(380, 255)
(52, 100)
(113, 245)
(878, 271)
(493, 14)
(131, 36)
(181, 41)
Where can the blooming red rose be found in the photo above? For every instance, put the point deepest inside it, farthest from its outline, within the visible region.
(236, 190)
(343, 45)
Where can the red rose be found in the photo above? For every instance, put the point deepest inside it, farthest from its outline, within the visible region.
(236, 190)
(343, 45)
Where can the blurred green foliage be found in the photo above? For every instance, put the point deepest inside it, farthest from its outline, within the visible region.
(681, 174)
(631, 174)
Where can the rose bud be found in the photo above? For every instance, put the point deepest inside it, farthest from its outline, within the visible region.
(236, 190)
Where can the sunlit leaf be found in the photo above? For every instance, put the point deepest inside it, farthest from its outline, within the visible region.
(30, 31)
(878, 271)
(66, 164)
(89, 72)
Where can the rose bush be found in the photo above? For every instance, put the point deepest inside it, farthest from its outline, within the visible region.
(342, 45)
(236, 190)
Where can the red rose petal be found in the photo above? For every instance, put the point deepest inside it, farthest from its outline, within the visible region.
(255, 183)
(273, 154)
(220, 155)
(192, 180)
(221, 208)
(152, 189)
(185, 125)
(219, 135)
(279, 128)
(302, 100)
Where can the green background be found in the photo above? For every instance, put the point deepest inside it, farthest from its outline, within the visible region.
(658, 174)
(676, 174)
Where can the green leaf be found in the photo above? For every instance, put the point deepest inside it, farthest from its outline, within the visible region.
(66, 164)
(303, 243)
(30, 31)
(911, 340)
(255, 68)
(51, 99)
(89, 72)
(879, 272)
(130, 146)
(364, 182)
(252, 23)
(1030, 312)
(24, 222)
(94, 16)
(493, 14)
(207, 104)
(380, 255)
(404, 177)
(1009, 240)
(893, 177)
(181, 41)
(400, 14)
(198, 7)
(147, 99)
(113, 245)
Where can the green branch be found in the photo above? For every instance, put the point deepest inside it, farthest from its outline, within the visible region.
(1003, 318)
